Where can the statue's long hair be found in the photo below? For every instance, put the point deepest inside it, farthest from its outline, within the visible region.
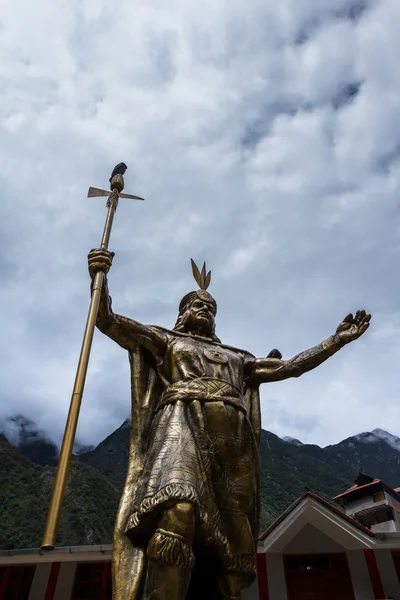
(182, 322)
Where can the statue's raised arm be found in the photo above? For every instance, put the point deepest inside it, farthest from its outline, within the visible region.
(126, 332)
(263, 370)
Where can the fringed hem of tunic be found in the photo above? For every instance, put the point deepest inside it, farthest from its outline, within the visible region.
(171, 492)
(175, 492)
(170, 549)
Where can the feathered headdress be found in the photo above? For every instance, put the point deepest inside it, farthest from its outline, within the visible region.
(203, 279)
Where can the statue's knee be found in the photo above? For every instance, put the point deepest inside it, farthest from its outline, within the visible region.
(180, 519)
(172, 542)
(182, 512)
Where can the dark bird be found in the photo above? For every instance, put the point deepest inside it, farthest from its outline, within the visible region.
(274, 354)
(120, 168)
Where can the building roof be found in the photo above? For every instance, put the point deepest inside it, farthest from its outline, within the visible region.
(355, 487)
(363, 481)
(324, 503)
(58, 550)
(59, 554)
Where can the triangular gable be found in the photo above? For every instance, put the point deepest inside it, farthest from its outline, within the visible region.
(310, 509)
(363, 479)
(314, 540)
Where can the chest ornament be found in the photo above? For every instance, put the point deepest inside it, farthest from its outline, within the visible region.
(215, 355)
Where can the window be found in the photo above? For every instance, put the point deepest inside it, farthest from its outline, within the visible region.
(338, 562)
(292, 563)
(322, 562)
(316, 562)
(368, 520)
(92, 582)
(17, 582)
(384, 515)
(307, 563)
(379, 496)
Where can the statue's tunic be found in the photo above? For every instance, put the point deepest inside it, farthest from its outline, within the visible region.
(201, 448)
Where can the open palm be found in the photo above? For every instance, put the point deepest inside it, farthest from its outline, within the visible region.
(352, 328)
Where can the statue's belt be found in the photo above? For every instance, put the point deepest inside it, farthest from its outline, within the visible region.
(205, 389)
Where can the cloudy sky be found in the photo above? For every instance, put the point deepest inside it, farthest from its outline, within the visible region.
(265, 137)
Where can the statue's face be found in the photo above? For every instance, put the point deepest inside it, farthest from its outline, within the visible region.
(201, 317)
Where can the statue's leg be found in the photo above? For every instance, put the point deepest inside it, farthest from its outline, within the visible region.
(230, 586)
(170, 554)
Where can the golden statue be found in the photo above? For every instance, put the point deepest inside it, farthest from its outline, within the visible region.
(188, 520)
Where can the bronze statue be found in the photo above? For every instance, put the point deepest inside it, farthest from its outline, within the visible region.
(188, 520)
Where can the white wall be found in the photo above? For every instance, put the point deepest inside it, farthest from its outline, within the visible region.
(251, 593)
(387, 571)
(396, 506)
(361, 504)
(65, 581)
(276, 576)
(39, 583)
(311, 540)
(385, 526)
(359, 575)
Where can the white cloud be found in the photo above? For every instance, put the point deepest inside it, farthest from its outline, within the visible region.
(229, 120)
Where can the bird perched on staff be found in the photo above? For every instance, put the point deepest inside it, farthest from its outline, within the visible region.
(120, 168)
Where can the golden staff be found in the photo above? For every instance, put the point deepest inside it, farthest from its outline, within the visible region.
(53, 516)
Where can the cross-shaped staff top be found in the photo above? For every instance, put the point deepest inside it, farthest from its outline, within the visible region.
(116, 185)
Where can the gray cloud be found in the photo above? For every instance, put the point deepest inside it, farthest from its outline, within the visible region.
(230, 122)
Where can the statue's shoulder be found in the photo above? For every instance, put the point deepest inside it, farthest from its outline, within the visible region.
(246, 354)
(161, 330)
(172, 334)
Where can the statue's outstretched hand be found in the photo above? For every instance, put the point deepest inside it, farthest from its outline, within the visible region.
(99, 260)
(352, 328)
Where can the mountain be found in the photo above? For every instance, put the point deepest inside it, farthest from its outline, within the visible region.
(292, 440)
(287, 465)
(31, 441)
(372, 452)
(97, 477)
(288, 468)
(88, 514)
(379, 434)
(110, 457)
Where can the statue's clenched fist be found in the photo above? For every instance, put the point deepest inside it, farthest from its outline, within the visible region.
(99, 260)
